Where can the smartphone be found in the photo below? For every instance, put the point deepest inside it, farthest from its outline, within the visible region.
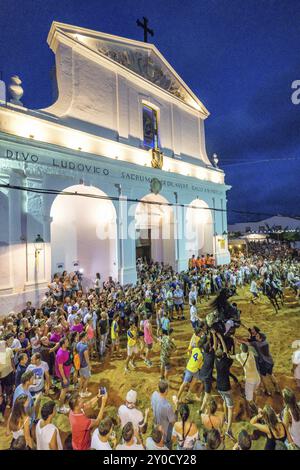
(102, 391)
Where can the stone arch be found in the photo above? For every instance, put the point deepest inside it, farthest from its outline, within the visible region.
(199, 232)
(84, 231)
(154, 223)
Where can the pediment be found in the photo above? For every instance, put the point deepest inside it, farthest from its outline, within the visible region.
(140, 58)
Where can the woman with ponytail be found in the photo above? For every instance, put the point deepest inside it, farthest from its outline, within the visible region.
(185, 432)
(19, 422)
(291, 415)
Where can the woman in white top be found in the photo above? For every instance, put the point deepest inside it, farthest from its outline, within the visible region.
(19, 422)
(291, 415)
(185, 432)
(47, 435)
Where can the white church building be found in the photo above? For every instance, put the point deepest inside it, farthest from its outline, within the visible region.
(115, 169)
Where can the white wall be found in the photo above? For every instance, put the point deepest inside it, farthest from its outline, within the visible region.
(84, 230)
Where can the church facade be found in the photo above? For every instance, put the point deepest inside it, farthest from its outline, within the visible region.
(115, 169)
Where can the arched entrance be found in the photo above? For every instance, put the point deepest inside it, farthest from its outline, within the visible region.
(83, 234)
(154, 225)
(198, 229)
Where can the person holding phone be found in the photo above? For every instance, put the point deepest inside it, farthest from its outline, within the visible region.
(81, 425)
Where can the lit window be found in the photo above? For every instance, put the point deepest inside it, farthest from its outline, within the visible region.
(150, 127)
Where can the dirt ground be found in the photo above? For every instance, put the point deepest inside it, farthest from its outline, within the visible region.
(281, 330)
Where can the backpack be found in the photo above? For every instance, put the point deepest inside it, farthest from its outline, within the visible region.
(76, 361)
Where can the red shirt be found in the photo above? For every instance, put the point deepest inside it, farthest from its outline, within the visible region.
(81, 435)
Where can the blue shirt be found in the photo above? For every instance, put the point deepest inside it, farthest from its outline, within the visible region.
(20, 391)
(81, 348)
(165, 323)
(19, 372)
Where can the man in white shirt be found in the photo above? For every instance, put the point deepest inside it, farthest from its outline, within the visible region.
(72, 315)
(40, 370)
(252, 378)
(194, 315)
(129, 413)
(102, 437)
(14, 344)
(178, 297)
(131, 440)
(193, 295)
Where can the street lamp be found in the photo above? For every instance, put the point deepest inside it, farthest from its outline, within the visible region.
(38, 245)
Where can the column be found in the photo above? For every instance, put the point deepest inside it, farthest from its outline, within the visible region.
(18, 231)
(126, 244)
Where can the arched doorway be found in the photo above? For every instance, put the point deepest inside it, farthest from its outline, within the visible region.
(154, 225)
(83, 234)
(199, 234)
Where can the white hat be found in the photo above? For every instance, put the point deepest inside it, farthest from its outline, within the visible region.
(131, 396)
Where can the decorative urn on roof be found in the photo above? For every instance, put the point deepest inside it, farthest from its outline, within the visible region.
(15, 90)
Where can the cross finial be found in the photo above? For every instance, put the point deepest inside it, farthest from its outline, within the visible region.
(144, 24)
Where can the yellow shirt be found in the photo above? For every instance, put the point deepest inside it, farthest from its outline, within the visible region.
(193, 343)
(195, 361)
(114, 331)
(131, 337)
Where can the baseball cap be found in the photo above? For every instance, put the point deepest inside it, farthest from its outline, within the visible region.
(131, 396)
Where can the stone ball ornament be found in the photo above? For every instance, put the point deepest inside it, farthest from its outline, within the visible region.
(15, 89)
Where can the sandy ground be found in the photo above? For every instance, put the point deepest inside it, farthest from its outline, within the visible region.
(281, 329)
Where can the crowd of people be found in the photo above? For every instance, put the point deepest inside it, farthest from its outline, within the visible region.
(50, 349)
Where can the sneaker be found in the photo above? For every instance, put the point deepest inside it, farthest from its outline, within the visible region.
(132, 365)
(126, 370)
(85, 394)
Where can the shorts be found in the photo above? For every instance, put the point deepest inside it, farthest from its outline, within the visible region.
(264, 368)
(195, 324)
(9, 380)
(207, 385)
(179, 307)
(115, 341)
(132, 350)
(65, 385)
(85, 372)
(149, 346)
(189, 376)
(255, 294)
(227, 398)
(250, 389)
